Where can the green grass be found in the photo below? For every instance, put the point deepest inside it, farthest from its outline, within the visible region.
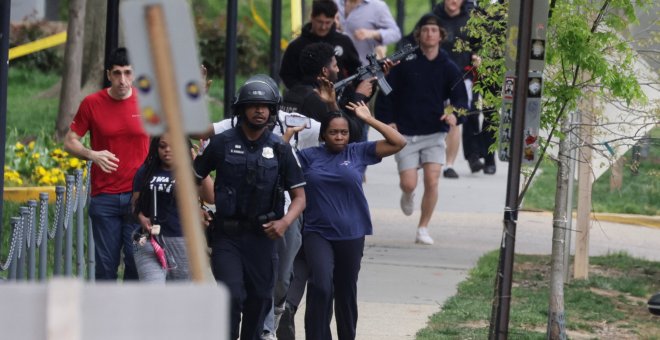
(27, 112)
(614, 297)
(639, 194)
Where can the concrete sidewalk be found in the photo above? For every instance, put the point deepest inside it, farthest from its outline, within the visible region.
(401, 283)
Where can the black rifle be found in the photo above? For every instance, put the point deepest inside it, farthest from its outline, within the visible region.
(375, 69)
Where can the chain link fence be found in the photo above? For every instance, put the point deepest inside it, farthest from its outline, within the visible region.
(30, 258)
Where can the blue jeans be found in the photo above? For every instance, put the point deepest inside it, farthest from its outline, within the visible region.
(112, 227)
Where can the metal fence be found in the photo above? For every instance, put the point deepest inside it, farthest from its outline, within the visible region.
(32, 230)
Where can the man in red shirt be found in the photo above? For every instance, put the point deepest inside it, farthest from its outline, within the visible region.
(119, 146)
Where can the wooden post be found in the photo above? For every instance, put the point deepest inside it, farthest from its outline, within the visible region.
(616, 178)
(585, 180)
(186, 191)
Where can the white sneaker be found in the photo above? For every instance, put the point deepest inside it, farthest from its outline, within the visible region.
(268, 336)
(423, 236)
(407, 202)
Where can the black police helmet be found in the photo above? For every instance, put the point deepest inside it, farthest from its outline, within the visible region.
(259, 89)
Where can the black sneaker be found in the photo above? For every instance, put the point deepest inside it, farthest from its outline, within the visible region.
(489, 169)
(450, 173)
(475, 164)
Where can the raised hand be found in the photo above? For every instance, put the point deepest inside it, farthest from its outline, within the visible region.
(361, 110)
(326, 90)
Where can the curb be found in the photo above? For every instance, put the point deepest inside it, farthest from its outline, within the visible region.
(642, 220)
(639, 220)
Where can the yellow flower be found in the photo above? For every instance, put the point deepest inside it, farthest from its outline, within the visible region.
(41, 171)
(35, 156)
(74, 163)
(45, 180)
(56, 171)
(31, 145)
(19, 146)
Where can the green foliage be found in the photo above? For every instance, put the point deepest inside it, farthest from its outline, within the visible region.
(37, 160)
(31, 155)
(586, 49)
(252, 57)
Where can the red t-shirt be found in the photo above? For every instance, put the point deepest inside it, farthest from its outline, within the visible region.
(114, 125)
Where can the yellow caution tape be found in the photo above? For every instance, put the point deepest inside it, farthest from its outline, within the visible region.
(296, 17)
(37, 45)
(262, 24)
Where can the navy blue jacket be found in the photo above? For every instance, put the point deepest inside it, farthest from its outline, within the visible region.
(419, 89)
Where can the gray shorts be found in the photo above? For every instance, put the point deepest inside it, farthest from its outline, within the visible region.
(420, 150)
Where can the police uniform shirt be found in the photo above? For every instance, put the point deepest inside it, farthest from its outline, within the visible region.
(246, 172)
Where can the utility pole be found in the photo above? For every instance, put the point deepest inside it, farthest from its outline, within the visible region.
(111, 35)
(230, 55)
(499, 327)
(275, 39)
(5, 7)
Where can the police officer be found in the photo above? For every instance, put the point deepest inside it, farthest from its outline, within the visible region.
(253, 168)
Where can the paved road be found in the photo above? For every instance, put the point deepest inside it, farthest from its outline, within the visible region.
(401, 284)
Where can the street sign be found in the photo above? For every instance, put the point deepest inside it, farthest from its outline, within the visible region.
(186, 66)
(533, 106)
(508, 89)
(532, 118)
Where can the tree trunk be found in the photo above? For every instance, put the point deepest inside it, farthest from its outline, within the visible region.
(556, 317)
(585, 181)
(70, 93)
(94, 54)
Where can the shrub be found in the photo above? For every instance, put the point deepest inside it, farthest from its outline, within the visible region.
(29, 30)
(251, 51)
(38, 161)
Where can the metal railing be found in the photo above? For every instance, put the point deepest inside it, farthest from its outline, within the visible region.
(32, 230)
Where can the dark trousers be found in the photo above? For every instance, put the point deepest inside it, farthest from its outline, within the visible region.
(334, 268)
(471, 140)
(246, 264)
(488, 135)
(287, 327)
(112, 228)
(477, 140)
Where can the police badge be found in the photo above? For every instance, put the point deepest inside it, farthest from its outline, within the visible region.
(267, 152)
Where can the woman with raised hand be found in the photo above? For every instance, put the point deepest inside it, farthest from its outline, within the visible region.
(337, 218)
